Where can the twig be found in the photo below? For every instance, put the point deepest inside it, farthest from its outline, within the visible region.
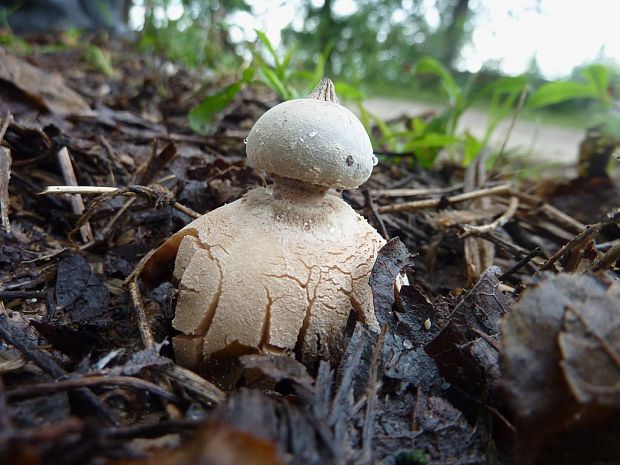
(111, 155)
(415, 192)
(373, 387)
(48, 431)
(203, 389)
(145, 329)
(97, 190)
(551, 212)
(6, 122)
(432, 203)
(513, 120)
(77, 203)
(608, 259)
(511, 247)
(106, 229)
(155, 163)
(137, 271)
(13, 336)
(479, 253)
(521, 263)
(6, 425)
(583, 237)
(469, 229)
(5, 176)
(375, 214)
(10, 295)
(89, 381)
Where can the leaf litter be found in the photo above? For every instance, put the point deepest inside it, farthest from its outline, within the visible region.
(499, 365)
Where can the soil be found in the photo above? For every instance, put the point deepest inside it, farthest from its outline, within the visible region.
(500, 346)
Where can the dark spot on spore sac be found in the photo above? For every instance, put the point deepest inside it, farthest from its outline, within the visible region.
(349, 160)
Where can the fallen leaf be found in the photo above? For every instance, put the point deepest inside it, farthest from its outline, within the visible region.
(220, 444)
(466, 350)
(590, 347)
(391, 260)
(45, 89)
(444, 433)
(559, 359)
(280, 369)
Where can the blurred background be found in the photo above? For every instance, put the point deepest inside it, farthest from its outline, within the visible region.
(463, 68)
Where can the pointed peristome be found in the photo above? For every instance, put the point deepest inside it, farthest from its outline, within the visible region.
(314, 140)
(325, 90)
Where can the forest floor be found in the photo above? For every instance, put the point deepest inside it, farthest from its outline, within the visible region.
(502, 349)
(546, 142)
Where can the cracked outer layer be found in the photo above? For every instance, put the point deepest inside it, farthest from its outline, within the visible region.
(271, 275)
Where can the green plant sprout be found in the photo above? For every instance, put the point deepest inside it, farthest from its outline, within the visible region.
(596, 88)
(268, 68)
(426, 138)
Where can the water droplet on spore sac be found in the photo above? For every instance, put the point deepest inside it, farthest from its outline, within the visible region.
(245, 141)
(375, 161)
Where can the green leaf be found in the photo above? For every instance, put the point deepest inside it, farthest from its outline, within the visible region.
(509, 85)
(202, 115)
(348, 92)
(472, 148)
(100, 60)
(598, 77)
(287, 59)
(267, 43)
(557, 92)
(448, 84)
(248, 75)
(431, 140)
(271, 79)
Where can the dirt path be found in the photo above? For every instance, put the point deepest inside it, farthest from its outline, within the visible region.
(547, 142)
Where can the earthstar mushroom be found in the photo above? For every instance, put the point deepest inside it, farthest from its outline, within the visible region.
(279, 270)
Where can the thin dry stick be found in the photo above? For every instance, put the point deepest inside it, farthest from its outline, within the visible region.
(373, 208)
(521, 263)
(415, 192)
(97, 190)
(432, 203)
(89, 381)
(469, 229)
(6, 423)
(148, 340)
(7, 120)
(106, 229)
(137, 271)
(77, 203)
(608, 260)
(513, 121)
(43, 360)
(551, 212)
(5, 176)
(145, 330)
(192, 382)
(583, 237)
(86, 190)
(479, 253)
(373, 387)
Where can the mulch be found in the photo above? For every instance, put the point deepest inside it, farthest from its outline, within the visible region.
(86, 371)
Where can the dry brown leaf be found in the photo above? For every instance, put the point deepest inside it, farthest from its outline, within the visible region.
(559, 359)
(590, 346)
(45, 89)
(219, 444)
